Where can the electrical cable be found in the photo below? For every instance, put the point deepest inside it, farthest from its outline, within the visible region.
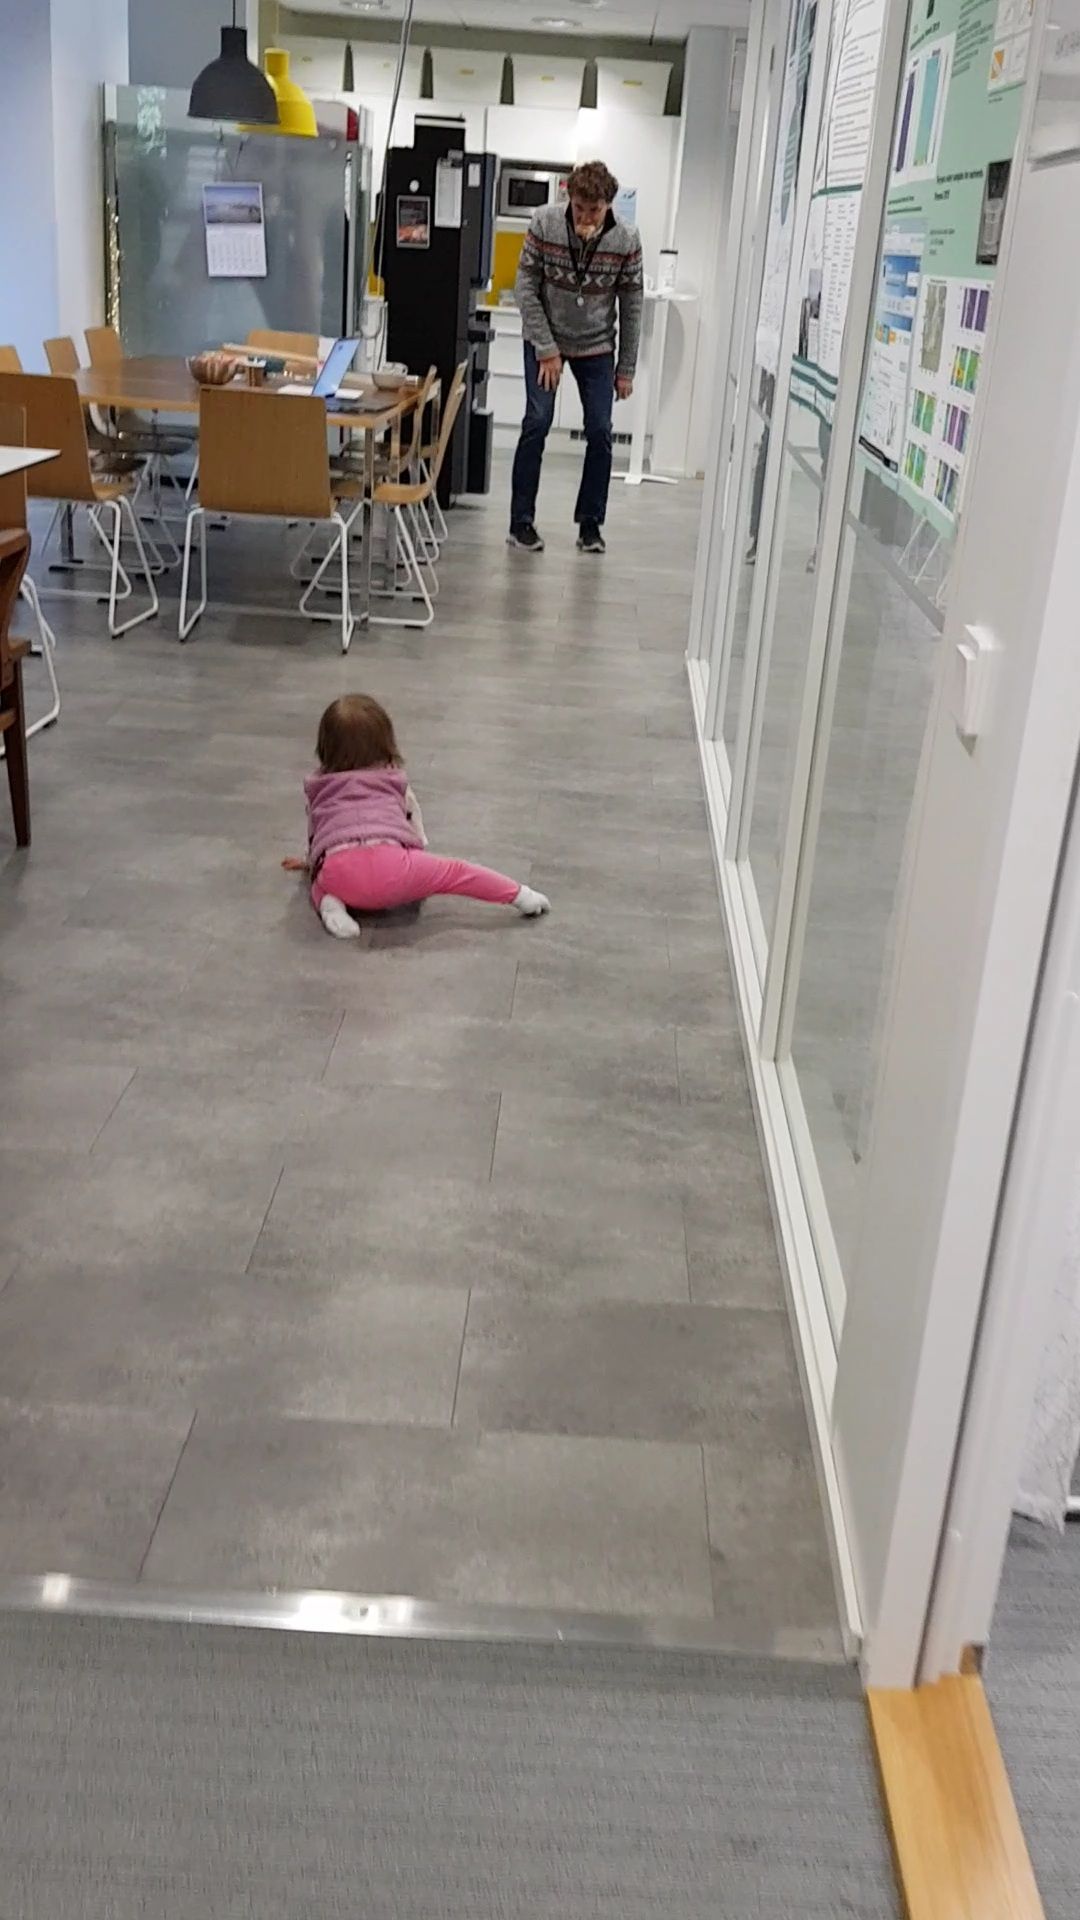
(375, 250)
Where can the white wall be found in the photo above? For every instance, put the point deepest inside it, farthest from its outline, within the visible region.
(28, 283)
(56, 55)
(699, 231)
(89, 47)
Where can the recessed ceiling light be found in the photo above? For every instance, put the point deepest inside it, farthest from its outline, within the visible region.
(555, 21)
(364, 6)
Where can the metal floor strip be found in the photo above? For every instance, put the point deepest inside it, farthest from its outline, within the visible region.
(375, 1615)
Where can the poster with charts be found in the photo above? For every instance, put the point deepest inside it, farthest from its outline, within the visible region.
(780, 232)
(952, 155)
(950, 337)
(839, 173)
(235, 230)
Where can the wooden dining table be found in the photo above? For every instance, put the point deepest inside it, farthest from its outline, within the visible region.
(157, 383)
(161, 383)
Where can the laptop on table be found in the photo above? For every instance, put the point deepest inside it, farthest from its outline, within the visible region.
(327, 385)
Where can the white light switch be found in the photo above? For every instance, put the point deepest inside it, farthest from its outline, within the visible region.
(974, 670)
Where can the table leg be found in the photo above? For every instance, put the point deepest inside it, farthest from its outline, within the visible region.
(368, 522)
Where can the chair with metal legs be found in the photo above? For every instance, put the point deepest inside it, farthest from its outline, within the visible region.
(142, 433)
(109, 457)
(13, 514)
(399, 498)
(350, 464)
(265, 456)
(55, 418)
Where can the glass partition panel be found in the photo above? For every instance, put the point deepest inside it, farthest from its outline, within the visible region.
(779, 234)
(824, 281)
(956, 126)
(157, 163)
(886, 677)
(798, 512)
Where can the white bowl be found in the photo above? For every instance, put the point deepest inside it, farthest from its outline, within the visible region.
(389, 381)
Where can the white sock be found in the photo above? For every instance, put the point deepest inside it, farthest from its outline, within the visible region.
(529, 902)
(337, 919)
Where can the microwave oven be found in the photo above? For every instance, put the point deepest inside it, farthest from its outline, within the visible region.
(524, 187)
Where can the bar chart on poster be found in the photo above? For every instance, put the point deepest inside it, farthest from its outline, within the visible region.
(956, 129)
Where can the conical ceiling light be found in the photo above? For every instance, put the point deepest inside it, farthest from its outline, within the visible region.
(295, 113)
(231, 87)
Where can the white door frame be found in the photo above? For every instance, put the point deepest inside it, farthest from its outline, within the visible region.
(1029, 1255)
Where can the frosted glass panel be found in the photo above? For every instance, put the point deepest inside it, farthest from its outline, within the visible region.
(157, 163)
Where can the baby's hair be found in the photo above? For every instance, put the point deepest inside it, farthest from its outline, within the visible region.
(354, 733)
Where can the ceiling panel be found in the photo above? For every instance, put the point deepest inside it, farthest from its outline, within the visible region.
(629, 19)
(619, 19)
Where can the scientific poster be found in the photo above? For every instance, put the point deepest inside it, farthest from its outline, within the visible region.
(235, 231)
(956, 130)
(885, 400)
(780, 232)
(839, 173)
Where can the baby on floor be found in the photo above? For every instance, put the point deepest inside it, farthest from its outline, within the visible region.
(367, 848)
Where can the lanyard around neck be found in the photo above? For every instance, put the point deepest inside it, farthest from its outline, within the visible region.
(580, 263)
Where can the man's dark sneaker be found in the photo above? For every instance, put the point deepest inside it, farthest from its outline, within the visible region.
(526, 538)
(590, 539)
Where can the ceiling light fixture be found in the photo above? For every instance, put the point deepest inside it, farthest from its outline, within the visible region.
(556, 22)
(295, 113)
(231, 87)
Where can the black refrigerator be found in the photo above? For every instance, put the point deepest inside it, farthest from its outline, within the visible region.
(438, 232)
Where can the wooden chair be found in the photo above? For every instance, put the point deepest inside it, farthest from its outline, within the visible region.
(265, 455)
(13, 514)
(55, 418)
(14, 553)
(9, 360)
(349, 464)
(398, 497)
(62, 356)
(136, 432)
(304, 345)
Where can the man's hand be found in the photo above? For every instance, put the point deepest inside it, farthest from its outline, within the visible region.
(550, 371)
(624, 386)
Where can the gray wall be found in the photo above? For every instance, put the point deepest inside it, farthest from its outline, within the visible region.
(28, 283)
(170, 41)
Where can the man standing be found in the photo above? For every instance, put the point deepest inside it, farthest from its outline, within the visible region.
(578, 261)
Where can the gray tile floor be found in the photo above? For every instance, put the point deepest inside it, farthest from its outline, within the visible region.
(438, 1262)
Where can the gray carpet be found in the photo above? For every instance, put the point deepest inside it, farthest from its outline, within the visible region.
(163, 1772)
(1033, 1684)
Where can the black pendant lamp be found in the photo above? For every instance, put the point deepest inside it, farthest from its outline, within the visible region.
(347, 79)
(231, 87)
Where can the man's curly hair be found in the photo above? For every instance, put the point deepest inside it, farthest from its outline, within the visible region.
(594, 182)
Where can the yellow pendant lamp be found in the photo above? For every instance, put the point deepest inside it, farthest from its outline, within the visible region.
(296, 115)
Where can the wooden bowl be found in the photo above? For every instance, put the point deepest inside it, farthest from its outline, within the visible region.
(212, 369)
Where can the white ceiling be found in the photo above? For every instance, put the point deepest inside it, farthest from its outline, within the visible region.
(621, 19)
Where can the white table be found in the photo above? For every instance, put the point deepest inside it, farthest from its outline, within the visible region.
(17, 459)
(653, 334)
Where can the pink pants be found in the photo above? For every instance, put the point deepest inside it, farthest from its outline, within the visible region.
(372, 878)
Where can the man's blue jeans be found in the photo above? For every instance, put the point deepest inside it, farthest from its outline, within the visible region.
(595, 375)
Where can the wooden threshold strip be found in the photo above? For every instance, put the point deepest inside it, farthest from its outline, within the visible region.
(960, 1851)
